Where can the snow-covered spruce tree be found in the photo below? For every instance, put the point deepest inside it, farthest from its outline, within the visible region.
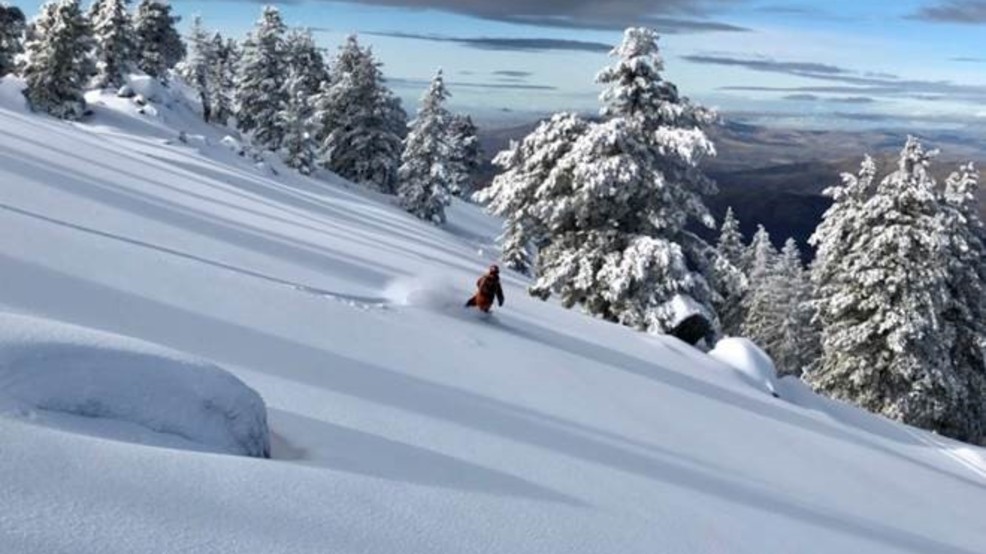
(513, 194)
(359, 122)
(762, 310)
(607, 213)
(58, 64)
(730, 244)
(881, 285)
(260, 90)
(114, 38)
(221, 75)
(608, 247)
(306, 62)
(465, 154)
(197, 66)
(297, 146)
(12, 25)
(424, 172)
(965, 313)
(730, 281)
(159, 46)
(797, 341)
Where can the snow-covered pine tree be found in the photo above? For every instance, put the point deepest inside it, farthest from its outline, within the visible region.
(114, 39)
(359, 122)
(730, 244)
(424, 172)
(58, 63)
(465, 154)
(198, 63)
(965, 313)
(608, 215)
(221, 75)
(513, 194)
(306, 61)
(298, 146)
(260, 90)
(762, 304)
(730, 281)
(881, 285)
(159, 46)
(608, 247)
(797, 341)
(12, 25)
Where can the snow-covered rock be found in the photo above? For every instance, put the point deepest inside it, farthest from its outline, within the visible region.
(116, 387)
(752, 363)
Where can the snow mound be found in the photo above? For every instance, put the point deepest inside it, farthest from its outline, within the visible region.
(115, 387)
(12, 95)
(752, 363)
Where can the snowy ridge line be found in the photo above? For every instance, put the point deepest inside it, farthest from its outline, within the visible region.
(364, 302)
(958, 456)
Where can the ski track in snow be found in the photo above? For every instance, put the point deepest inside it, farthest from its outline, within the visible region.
(362, 302)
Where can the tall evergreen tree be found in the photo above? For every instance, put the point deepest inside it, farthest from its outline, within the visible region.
(796, 345)
(359, 122)
(198, 65)
(221, 75)
(306, 61)
(159, 46)
(465, 154)
(12, 25)
(424, 171)
(260, 90)
(607, 214)
(514, 194)
(965, 313)
(114, 38)
(730, 281)
(730, 243)
(881, 285)
(762, 312)
(298, 145)
(58, 62)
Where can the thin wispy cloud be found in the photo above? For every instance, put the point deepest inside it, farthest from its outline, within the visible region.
(423, 83)
(805, 97)
(850, 82)
(514, 44)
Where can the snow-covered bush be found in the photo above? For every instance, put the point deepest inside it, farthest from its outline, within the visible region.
(97, 383)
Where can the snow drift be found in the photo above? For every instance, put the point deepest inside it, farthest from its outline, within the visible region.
(107, 385)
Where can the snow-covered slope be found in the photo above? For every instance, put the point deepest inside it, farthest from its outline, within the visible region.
(400, 422)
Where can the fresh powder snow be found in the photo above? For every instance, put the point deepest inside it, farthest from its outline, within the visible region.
(399, 421)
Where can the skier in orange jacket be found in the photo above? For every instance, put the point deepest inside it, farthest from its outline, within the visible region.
(488, 288)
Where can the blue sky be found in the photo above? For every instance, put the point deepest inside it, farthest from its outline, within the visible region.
(792, 62)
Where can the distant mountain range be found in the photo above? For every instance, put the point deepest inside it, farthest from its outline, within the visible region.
(775, 176)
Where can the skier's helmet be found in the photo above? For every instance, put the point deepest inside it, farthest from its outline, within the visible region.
(495, 269)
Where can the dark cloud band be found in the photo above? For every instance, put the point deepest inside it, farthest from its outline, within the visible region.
(970, 12)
